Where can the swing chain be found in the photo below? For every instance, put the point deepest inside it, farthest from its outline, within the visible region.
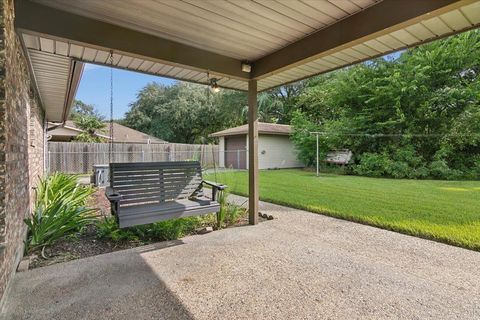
(110, 146)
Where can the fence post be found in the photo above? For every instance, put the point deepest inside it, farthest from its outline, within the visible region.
(143, 156)
(238, 159)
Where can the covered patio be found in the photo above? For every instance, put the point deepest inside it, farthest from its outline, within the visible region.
(300, 265)
(244, 45)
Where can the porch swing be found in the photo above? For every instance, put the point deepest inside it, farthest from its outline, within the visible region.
(147, 192)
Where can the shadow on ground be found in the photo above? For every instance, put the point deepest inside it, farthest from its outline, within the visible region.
(112, 286)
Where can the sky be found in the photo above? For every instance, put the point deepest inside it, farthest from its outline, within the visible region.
(94, 88)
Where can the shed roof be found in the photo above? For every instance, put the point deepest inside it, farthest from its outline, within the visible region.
(263, 128)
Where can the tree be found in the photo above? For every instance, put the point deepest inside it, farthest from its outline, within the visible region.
(401, 117)
(269, 109)
(91, 126)
(81, 108)
(184, 113)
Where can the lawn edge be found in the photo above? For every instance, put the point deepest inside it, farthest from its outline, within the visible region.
(337, 215)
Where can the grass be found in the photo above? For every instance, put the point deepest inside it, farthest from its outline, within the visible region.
(446, 211)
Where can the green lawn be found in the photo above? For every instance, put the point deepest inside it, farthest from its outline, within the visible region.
(447, 211)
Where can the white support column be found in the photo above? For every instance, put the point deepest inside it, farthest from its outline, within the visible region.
(252, 153)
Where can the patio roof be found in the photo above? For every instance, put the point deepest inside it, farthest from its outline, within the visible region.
(284, 40)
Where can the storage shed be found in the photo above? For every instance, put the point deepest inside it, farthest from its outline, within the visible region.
(275, 150)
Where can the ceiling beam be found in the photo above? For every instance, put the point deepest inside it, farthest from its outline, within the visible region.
(372, 22)
(38, 19)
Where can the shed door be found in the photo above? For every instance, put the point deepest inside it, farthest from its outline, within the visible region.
(236, 152)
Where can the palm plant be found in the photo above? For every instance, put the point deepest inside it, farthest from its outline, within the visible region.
(50, 223)
(59, 210)
(60, 187)
(91, 125)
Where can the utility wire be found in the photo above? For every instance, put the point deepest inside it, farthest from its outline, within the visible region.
(396, 134)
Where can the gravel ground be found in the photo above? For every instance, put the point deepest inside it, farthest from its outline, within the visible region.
(298, 266)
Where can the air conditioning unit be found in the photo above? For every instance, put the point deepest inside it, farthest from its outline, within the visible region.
(101, 175)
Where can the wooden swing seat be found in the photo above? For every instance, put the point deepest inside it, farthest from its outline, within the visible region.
(146, 192)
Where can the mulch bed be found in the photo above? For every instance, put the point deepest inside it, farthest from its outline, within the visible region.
(82, 245)
(87, 244)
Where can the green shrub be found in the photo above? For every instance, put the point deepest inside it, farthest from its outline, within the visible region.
(401, 163)
(159, 231)
(440, 169)
(373, 165)
(59, 210)
(108, 228)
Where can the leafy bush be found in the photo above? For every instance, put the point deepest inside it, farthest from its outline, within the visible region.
(440, 169)
(158, 231)
(59, 210)
(373, 165)
(401, 163)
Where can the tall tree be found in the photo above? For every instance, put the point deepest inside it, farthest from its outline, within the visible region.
(184, 113)
(81, 108)
(87, 118)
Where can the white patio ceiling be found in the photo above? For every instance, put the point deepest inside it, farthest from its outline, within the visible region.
(285, 40)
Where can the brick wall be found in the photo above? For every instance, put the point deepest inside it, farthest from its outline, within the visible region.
(21, 138)
(36, 147)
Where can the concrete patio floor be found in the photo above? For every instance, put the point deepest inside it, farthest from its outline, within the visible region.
(299, 266)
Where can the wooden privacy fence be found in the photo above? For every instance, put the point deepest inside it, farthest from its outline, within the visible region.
(77, 157)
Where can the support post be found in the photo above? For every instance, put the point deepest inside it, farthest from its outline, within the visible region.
(252, 153)
(317, 152)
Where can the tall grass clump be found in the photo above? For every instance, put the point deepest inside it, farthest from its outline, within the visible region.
(60, 209)
(229, 213)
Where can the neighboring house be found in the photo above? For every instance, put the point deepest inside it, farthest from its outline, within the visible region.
(275, 150)
(121, 134)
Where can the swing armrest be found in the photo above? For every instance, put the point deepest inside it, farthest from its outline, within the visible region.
(215, 187)
(112, 195)
(114, 198)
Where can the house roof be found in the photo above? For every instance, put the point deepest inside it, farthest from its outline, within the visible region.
(121, 133)
(263, 128)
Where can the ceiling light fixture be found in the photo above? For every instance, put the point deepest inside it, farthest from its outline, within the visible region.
(246, 66)
(214, 86)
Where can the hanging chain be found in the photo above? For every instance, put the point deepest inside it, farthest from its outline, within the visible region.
(110, 146)
(208, 88)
